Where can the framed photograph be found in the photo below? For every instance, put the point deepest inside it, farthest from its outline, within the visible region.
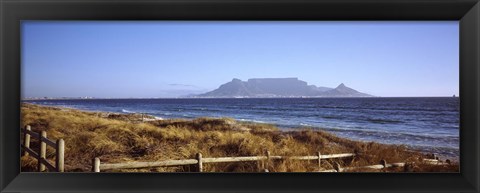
(243, 96)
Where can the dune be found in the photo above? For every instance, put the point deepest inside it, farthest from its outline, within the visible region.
(120, 138)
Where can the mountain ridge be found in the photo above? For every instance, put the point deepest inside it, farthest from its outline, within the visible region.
(278, 87)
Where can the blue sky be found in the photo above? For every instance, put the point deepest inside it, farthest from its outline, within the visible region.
(170, 59)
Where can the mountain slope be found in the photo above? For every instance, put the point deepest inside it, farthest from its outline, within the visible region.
(344, 91)
(278, 87)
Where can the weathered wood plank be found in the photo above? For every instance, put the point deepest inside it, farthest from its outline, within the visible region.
(49, 142)
(303, 157)
(30, 132)
(199, 162)
(259, 158)
(43, 152)
(396, 165)
(342, 155)
(40, 160)
(378, 166)
(26, 140)
(384, 163)
(96, 165)
(233, 159)
(332, 170)
(31, 152)
(131, 165)
(337, 167)
(59, 157)
(272, 157)
(38, 136)
(47, 164)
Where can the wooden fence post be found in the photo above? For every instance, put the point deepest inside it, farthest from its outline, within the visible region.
(319, 160)
(96, 165)
(43, 151)
(26, 140)
(60, 153)
(337, 167)
(267, 162)
(384, 163)
(200, 162)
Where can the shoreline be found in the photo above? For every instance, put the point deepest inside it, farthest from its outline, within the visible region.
(286, 128)
(173, 98)
(213, 137)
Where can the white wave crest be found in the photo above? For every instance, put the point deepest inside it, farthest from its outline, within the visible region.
(252, 120)
(127, 111)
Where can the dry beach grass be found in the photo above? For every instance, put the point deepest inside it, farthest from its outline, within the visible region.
(118, 138)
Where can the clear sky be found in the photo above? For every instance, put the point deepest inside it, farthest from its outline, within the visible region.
(170, 59)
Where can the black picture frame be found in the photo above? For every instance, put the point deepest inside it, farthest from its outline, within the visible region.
(12, 12)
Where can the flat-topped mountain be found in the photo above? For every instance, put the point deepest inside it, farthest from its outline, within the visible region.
(278, 87)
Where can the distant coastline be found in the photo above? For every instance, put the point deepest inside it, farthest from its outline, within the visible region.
(120, 98)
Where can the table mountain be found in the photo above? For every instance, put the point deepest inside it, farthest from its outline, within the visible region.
(278, 87)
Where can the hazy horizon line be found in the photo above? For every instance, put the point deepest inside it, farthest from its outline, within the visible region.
(90, 98)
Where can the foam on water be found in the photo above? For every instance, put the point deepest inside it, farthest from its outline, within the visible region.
(127, 111)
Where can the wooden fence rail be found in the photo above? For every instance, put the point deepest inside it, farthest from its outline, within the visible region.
(97, 166)
(199, 161)
(383, 164)
(43, 141)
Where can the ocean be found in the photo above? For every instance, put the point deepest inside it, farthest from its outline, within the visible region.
(429, 124)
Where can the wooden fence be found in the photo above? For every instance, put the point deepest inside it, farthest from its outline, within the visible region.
(43, 141)
(199, 161)
(97, 166)
(383, 164)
